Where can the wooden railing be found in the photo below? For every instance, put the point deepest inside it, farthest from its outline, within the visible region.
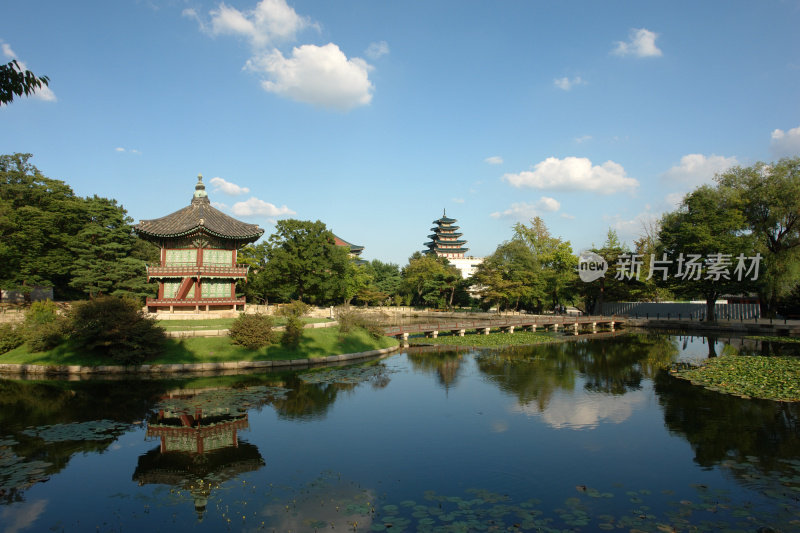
(194, 301)
(184, 270)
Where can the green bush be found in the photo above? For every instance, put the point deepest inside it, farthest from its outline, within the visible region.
(350, 319)
(293, 331)
(10, 337)
(44, 327)
(116, 328)
(252, 331)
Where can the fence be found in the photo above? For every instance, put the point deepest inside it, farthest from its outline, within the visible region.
(697, 311)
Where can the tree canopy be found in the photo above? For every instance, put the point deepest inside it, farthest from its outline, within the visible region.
(51, 237)
(14, 80)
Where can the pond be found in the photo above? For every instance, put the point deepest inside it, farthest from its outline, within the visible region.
(576, 436)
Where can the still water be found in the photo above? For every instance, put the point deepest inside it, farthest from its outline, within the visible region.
(578, 436)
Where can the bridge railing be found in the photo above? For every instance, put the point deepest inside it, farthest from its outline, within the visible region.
(498, 323)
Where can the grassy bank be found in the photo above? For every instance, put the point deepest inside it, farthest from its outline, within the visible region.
(748, 376)
(219, 323)
(491, 340)
(315, 343)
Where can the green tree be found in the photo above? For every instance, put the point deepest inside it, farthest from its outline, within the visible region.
(102, 249)
(510, 277)
(708, 222)
(16, 81)
(39, 218)
(304, 263)
(769, 199)
(554, 257)
(611, 287)
(430, 280)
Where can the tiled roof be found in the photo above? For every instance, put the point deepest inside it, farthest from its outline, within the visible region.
(199, 215)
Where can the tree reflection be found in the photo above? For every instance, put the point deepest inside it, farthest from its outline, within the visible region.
(31, 459)
(446, 364)
(720, 426)
(611, 366)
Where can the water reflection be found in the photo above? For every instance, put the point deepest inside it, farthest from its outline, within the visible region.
(609, 366)
(214, 447)
(199, 446)
(445, 363)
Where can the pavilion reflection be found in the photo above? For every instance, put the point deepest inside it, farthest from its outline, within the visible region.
(199, 446)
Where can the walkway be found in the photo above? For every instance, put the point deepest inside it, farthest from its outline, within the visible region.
(507, 325)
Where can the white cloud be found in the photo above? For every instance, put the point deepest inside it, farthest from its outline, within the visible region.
(630, 229)
(319, 75)
(376, 50)
(255, 207)
(674, 199)
(227, 187)
(697, 169)
(574, 173)
(786, 143)
(567, 216)
(122, 150)
(272, 21)
(494, 160)
(42, 93)
(525, 210)
(566, 84)
(641, 43)
(458, 200)
(561, 411)
(583, 139)
(22, 516)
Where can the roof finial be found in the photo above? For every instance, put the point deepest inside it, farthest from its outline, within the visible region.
(200, 188)
(444, 212)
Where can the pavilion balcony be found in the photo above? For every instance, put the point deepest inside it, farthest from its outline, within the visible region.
(191, 302)
(192, 270)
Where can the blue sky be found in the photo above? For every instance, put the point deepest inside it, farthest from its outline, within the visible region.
(374, 116)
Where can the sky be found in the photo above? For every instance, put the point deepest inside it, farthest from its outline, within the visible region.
(375, 116)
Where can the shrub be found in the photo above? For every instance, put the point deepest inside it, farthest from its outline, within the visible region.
(117, 328)
(349, 319)
(252, 331)
(293, 331)
(44, 328)
(10, 337)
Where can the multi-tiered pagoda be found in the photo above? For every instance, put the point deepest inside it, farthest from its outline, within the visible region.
(445, 242)
(198, 256)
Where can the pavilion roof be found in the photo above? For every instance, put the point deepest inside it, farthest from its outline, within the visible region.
(199, 215)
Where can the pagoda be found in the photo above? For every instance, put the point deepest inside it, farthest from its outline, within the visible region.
(198, 256)
(445, 241)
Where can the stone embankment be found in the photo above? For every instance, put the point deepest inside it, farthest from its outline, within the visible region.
(39, 371)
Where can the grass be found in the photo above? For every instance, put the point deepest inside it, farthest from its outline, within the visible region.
(315, 343)
(219, 323)
(748, 376)
(491, 340)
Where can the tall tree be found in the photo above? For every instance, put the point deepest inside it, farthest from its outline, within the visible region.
(769, 199)
(554, 257)
(305, 264)
(39, 218)
(430, 280)
(705, 236)
(510, 277)
(102, 249)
